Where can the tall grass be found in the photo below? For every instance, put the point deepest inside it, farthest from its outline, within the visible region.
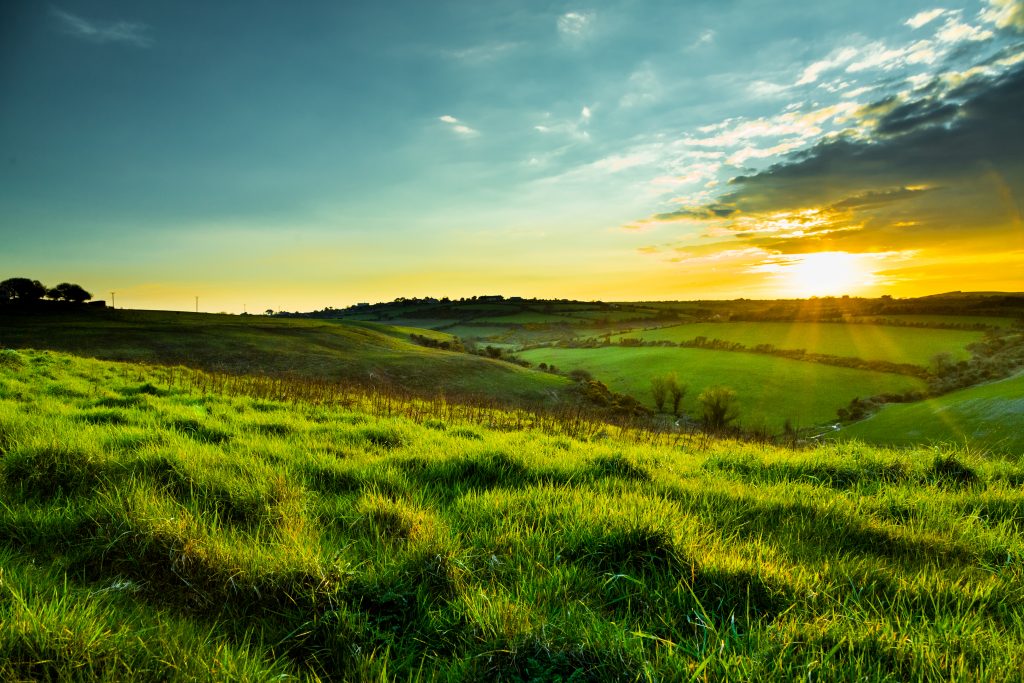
(170, 530)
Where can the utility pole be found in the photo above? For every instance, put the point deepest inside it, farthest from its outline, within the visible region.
(112, 300)
(197, 304)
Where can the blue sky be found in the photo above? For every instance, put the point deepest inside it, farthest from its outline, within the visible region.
(257, 154)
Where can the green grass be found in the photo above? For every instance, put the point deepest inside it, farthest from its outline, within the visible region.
(359, 352)
(151, 534)
(771, 390)
(528, 317)
(946, 319)
(990, 415)
(869, 342)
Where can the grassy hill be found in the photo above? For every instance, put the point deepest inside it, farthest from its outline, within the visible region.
(771, 390)
(989, 415)
(358, 352)
(150, 532)
(870, 342)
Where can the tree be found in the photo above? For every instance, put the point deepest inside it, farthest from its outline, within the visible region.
(69, 292)
(942, 364)
(675, 390)
(719, 407)
(660, 392)
(22, 289)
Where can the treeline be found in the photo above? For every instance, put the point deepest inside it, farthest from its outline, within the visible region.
(23, 290)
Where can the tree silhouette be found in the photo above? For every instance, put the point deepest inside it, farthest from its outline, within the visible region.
(69, 292)
(22, 289)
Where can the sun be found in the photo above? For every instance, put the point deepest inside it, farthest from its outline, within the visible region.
(826, 273)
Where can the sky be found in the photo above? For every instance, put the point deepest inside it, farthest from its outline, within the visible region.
(257, 155)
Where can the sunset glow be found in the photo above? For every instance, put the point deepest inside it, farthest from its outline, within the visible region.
(333, 155)
(826, 273)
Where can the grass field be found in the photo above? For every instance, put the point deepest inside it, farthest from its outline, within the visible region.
(529, 317)
(989, 415)
(771, 390)
(316, 349)
(946, 319)
(150, 534)
(869, 342)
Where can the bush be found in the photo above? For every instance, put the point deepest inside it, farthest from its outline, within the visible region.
(719, 408)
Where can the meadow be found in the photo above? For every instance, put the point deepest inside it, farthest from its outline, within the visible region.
(990, 415)
(153, 532)
(354, 352)
(869, 342)
(771, 390)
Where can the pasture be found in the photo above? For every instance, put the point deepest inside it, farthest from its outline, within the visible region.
(149, 532)
(319, 350)
(869, 342)
(771, 390)
(990, 415)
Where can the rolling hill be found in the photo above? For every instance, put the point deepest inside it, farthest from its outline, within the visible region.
(990, 415)
(355, 352)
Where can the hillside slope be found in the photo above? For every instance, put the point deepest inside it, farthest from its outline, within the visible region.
(362, 353)
(990, 415)
(154, 533)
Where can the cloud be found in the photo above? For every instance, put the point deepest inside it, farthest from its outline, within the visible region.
(943, 172)
(835, 60)
(925, 17)
(643, 88)
(482, 54)
(706, 37)
(121, 32)
(956, 31)
(574, 26)
(458, 126)
(1006, 14)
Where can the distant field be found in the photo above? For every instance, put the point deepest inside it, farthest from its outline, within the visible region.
(989, 415)
(617, 315)
(525, 317)
(770, 389)
(870, 342)
(403, 332)
(953, 319)
(358, 352)
(421, 323)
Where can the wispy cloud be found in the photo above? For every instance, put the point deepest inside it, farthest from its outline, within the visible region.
(706, 37)
(482, 54)
(838, 58)
(926, 17)
(458, 126)
(644, 88)
(122, 32)
(574, 26)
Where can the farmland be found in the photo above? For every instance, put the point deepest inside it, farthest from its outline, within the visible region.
(870, 342)
(354, 352)
(155, 532)
(990, 415)
(771, 390)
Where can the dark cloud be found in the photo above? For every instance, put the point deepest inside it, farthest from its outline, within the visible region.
(920, 114)
(875, 198)
(699, 213)
(985, 139)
